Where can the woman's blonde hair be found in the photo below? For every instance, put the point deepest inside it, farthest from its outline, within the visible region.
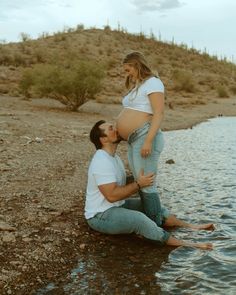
(138, 61)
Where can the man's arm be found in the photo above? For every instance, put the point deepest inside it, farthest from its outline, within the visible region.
(113, 192)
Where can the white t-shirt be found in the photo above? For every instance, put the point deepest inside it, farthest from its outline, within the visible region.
(103, 169)
(138, 99)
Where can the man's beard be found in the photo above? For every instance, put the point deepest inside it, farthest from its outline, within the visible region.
(118, 140)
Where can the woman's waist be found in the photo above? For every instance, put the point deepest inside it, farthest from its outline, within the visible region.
(142, 130)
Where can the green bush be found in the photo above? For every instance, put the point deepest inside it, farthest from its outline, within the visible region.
(183, 81)
(72, 86)
(222, 91)
(19, 59)
(6, 57)
(233, 89)
(80, 27)
(26, 83)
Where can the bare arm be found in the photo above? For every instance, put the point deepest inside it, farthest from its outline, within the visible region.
(157, 103)
(113, 192)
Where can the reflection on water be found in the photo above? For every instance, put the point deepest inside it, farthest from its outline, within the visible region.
(199, 187)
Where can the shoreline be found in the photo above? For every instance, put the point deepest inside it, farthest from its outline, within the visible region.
(45, 153)
(177, 118)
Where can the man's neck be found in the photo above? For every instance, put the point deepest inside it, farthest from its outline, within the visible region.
(110, 149)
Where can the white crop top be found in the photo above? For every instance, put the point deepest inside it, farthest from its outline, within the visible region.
(138, 100)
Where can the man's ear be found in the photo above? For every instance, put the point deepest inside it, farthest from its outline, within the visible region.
(103, 139)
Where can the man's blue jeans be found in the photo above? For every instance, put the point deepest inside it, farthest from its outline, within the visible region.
(129, 218)
(149, 195)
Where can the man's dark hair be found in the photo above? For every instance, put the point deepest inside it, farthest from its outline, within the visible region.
(95, 134)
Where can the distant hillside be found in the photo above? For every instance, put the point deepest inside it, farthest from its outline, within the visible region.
(190, 77)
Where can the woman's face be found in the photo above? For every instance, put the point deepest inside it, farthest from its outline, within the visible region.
(131, 72)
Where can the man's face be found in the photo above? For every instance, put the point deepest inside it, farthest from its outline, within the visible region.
(110, 132)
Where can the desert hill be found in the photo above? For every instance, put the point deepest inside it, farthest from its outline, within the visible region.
(190, 77)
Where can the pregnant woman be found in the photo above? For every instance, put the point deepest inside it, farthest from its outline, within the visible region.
(139, 124)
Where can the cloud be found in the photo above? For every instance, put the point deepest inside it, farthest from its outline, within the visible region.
(156, 5)
(14, 6)
(10, 9)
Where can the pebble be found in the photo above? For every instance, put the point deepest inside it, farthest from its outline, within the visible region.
(27, 240)
(170, 161)
(9, 238)
(82, 246)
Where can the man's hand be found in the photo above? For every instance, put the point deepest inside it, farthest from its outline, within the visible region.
(145, 180)
(113, 192)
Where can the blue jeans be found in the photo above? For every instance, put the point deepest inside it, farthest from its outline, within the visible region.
(127, 219)
(149, 195)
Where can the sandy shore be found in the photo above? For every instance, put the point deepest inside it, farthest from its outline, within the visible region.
(45, 153)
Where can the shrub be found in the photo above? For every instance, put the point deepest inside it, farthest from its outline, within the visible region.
(233, 89)
(222, 91)
(109, 51)
(183, 81)
(39, 55)
(58, 37)
(24, 37)
(19, 59)
(71, 86)
(6, 58)
(107, 28)
(26, 83)
(80, 27)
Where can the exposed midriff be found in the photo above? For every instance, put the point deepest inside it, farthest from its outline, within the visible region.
(130, 120)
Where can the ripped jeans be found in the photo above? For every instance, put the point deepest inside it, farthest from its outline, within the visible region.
(149, 195)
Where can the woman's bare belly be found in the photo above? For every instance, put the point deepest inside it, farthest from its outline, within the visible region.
(129, 120)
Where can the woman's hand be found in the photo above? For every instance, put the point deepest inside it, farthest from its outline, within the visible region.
(146, 149)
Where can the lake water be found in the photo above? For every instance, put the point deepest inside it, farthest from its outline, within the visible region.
(199, 187)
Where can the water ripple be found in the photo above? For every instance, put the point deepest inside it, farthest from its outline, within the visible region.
(201, 187)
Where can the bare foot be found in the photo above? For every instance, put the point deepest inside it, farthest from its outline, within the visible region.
(206, 226)
(176, 242)
(204, 246)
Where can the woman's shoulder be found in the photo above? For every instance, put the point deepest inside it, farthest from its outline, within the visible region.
(153, 79)
(154, 82)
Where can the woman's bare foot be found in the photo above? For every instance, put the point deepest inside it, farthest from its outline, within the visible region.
(206, 226)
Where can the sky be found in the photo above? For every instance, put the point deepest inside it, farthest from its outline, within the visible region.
(203, 24)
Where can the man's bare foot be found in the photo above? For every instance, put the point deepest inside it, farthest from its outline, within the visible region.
(206, 226)
(176, 242)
